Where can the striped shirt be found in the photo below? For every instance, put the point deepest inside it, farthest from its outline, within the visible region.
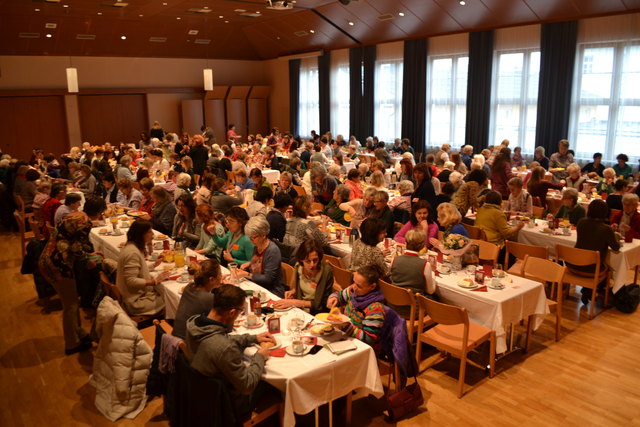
(365, 325)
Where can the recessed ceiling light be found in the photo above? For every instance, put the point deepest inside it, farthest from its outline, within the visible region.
(164, 4)
(37, 10)
(278, 38)
(65, 5)
(141, 15)
(258, 12)
(206, 7)
(312, 31)
(99, 13)
(462, 2)
(123, 37)
(220, 16)
(400, 13)
(226, 22)
(351, 23)
(48, 36)
(178, 18)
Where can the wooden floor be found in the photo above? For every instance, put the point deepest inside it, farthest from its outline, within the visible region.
(590, 377)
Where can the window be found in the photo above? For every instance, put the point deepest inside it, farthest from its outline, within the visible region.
(606, 100)
(309, 104)
(388, 100)
(446, 100)
(340, 101)
(515, 98)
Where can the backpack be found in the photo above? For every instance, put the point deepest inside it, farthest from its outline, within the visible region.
(627, 298)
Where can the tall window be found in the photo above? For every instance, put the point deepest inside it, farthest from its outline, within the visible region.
(606, 110)
(309, 104)
(515, 98)
(388, 100)
(340, 101)
(446, 100)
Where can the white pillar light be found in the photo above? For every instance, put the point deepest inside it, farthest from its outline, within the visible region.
(208, 78)
(72, 80)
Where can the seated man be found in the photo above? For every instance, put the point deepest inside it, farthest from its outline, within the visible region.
(216, 353)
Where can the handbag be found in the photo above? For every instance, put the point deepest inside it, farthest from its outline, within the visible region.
(627, 298)
(405, 401)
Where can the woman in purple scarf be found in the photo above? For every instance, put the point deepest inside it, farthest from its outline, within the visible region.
(364, 304)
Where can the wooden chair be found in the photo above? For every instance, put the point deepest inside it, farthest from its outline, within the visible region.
(149, 334)
(538, 211)
(488, 251)
(300, 190)
(344, 278)
(317, 207)
(231, 178)
(537, 202)
(334, 260)
(398, 296)
(476, 233)
(288, 274)
(454, 334)
(520, 251)
(111, 290)
(34, 227)
(25, 236)
(544, 270)
(584, 257)
(19, 204)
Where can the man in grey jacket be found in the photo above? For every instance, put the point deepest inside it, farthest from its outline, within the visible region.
(216, 353)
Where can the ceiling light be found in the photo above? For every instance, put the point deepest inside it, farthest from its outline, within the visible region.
(178, 18)
(258, 12)
(206, 7)
(123, 37)
(164, 4)
(37, 10)
(312, 31)
(141, 15)
(220, 16)
(400, 13)
(462, 2)
(207, 74)
(48, 36)
(99, 13)
(72, 80)
(193, 32)
(351, 23)
(226, 22)
(65, 5)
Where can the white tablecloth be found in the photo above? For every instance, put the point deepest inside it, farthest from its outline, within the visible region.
(271, 175)
(620, 262)
(349, 165)
(496, 308)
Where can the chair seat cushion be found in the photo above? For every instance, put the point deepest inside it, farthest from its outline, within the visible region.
(584, 279)
(449, 337)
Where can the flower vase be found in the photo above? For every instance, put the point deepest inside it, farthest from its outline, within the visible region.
(456, 262)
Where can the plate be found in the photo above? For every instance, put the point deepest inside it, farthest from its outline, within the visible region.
(136, 214)
(256, 326)
(317, 331)
(497, 288)
(158, 237)
(442, 271)
(283, 309)
(464, 284)
(324, 316)
(275, 347)
(182, 280)
(307, 349)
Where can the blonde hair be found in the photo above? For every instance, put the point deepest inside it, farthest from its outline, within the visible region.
(377, 179)
(609, 171)
(415, 239)
(405, 186)
(184, 179)
(573, 167)
(448, 214)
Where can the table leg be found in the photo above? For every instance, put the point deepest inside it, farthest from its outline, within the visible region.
(348, 409)
(331, 413)
(317, 414)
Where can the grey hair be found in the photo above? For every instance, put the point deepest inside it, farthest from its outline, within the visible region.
(467, 148)
(125, 160)
(540, 149)
(184, 179)
(343, 191)
(334, 170)
(370, 192)
(571, 193)
(405, 186)
(630, 197)
(455, 177)
(257, 226)
(317, 171)
(573, 167)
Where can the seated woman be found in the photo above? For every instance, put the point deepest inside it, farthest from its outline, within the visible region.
(197, 297)
(366, 251)
(538, 186)
(286, 185)
(128, 196)
(614, 200)
(606, 183)
(378, 182)
(313, 281)
(258, 180)
(467, 196)
(183, 181)
(401, 205)
(493, 222)
(264, 267)
(87, 182)
(138, 288)
(186, 227)
(595, 235)
(628, 219)
(519, 200)
(322, 185)
(237, 247)
(203, 196)
(420, 220)
(412, 272)
(570, 208)
(221, 201)
(260, 203)
(332, 210)
(449, 218)
(109, 188)
(382, 211)
(354, 182)
(146, 184)
(575, 179)
(299, 228)
(163, 211)
(364, 304)
(204, 216)
(622, 168)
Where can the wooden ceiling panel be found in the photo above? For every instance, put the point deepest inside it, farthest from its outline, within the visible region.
(632, 4)
(553, 10)
(598, 7)
(434, 18)
(515, 11)
(473, 15)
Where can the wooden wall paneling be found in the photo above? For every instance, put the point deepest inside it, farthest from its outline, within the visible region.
(112, 118)
(237, 108)
(191, 115)
(33, 122)
(215, 112)
(258, 110)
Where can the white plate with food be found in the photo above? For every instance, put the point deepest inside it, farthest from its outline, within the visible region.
(333, 318)
(136, 214)
(280, 310)
(160, 237)
(497, 287)
(445, 270)
(467, 284)
(322, 330)
(270, 345)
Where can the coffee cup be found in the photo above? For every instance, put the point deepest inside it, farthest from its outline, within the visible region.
(154, 256)
(297, 346)
(252, 320)
(157, 245)
(495, 282)
(184, 277)
(445, 268)
(566, 231)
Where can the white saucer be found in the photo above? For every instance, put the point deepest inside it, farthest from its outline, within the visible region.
(256, 326)
(307, 349)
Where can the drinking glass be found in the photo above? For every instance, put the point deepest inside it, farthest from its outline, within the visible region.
(233, 268)
(498, 270)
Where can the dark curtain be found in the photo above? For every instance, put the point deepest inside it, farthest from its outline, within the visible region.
(355, 90)
(479, 89)
(414, 89)
(558, 43)
(324, 86)
(369, 63)
(294, 94)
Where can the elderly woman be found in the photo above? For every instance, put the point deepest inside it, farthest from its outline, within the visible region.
(258, 180)
(71, 204)
(538, 186)
(299, 228)
(538, 156)
(354, 183)
(558, 162)
(628, 219)
(264, 267)
(420, 220)
(401, 205)
(183, 180)
(221, 201)
(519, 200)
(87, 182)
(575, 178)
(260, 203)
(128, 196)
(412, 272)
(322, 185)
(332, 210)
(492, 221)
(516, 159)
(479, 162)
(186, 227)
(459, 166)
(313, 281)
(25, 185)
(606, 183)
(197, 297)
(285, 184)
(237, 246)
(360, 208)
(138, 288)
(570, 208)
(365, 251)
(163, 211)
(381, 210)
(456, 179)
(146, 204)
(467, 195)
(42, 195)
(405, 170)
(69, 244)
(364, 304)
(123, 170)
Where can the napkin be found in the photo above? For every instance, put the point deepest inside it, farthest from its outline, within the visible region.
(339, 347)
(279, 352)
(174, 277)
(480, 289)
(335, 242)
(269, 303)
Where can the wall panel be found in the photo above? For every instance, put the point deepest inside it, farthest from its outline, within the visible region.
(113, 118)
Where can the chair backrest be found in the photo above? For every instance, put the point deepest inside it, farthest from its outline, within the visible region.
(289, 275)
(536, 202)
(537, 211)
(443, 314)
(488, 251)
(334, 260)
(317, 207)
(19, 203)
(575, 256)
(476, 233)
(343, 277)
(34, 227)
(520, 251)
(231, 178)
(20, 221)
(111, 289)
(543, 270)
(395, 294)
(300, 190)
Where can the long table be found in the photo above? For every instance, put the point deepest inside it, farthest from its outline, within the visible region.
(307, 382)
(621, 262)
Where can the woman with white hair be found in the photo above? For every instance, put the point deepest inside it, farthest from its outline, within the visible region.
(403, 201)
(183, 181)
(628, 219)
(264, 267)
(575, 178)
(456, 178)
(606, 184)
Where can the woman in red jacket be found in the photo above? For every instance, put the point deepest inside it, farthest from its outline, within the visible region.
(628, 219)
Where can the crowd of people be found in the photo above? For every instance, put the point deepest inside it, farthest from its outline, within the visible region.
(215, 199)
